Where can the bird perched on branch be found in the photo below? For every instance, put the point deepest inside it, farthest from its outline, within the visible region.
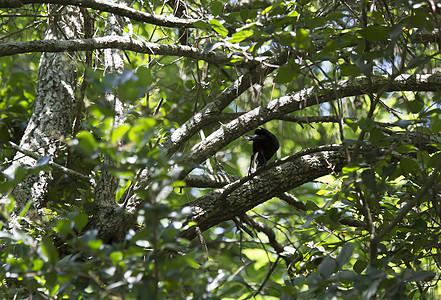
(265, 144)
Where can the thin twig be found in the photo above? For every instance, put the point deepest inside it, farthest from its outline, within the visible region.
(52, 164)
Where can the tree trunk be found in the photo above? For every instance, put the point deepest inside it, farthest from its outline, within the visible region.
(53, 107)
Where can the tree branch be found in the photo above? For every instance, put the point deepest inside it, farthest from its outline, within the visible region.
(116, 42)
(209, 210)
(297, 101)
(208, 114)
(112, 7)
(270, 180)
(52, 164)
(209, 181)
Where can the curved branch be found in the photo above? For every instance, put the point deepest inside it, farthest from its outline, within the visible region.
(307, 97)
(112, 7)
(210, 209)
(116, 42)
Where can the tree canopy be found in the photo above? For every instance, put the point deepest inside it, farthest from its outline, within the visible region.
(125, 171)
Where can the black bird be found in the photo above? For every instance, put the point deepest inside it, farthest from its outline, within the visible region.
(265, 144)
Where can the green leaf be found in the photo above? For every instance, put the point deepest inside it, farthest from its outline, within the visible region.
(216, 7)
(366, 124)
(375, 33)
(201, 25)
(434, 159)
(388, 170)
(25, 209)
(416, 105)
(406, 148)
(80, 220)
(377, 138)
(349, 70)
(145, 77)
(129, 90)
(118, 133)
(284, 75)
(435, 124)
(419, 225)
(351, 167)
(421, 276)
(267, 10)
(4, 134)
(293, 14)
(86, 142)
(48, 249)
(245, 14)
(95, 244)
(240, 36)
(352, 124)
(409, 166)
(359, 266)
(368, 178)
(218, 27)
(37, 264)
(142, 131)
(64, 226)
(345, 255)
(258, 255)
(302, 41)
(327, 267)
(116, 256)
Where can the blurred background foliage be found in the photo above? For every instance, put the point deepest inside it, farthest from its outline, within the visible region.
(323, 258)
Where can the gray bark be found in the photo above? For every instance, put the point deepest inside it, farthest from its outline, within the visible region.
(305, 98)
(112, 42)
(114, 7)
(53, 107)
(226, 203)
(113, 63)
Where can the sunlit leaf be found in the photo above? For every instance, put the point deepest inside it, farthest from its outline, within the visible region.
(116, 256)
(86, 142)
(218, 27)
(240, 36)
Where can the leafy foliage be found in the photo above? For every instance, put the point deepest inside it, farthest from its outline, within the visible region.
(368, 230)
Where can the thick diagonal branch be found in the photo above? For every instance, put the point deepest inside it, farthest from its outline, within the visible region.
(210, 209)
